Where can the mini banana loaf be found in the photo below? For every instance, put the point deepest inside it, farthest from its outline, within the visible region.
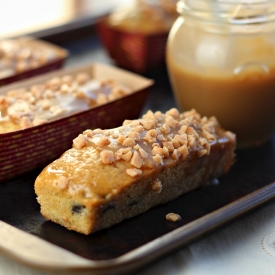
(111, 175)
(56, 98)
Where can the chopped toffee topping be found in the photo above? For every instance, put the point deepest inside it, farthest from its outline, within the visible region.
(153, 139)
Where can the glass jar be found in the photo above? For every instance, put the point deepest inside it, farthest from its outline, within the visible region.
(221, 61)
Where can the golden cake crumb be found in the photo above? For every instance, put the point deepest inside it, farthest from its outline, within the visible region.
(173, 217)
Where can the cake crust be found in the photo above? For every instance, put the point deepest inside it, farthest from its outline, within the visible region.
(112, 175)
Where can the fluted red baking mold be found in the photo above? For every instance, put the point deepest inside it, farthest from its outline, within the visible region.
(55, 64)
(31, 148)
(134, 51)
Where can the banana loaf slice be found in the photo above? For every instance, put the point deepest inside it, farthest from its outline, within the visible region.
(111, 175)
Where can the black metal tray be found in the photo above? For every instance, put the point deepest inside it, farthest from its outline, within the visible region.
(139, 240)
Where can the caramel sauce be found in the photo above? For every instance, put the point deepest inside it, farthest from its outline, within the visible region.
(231, 77)
(244, 105)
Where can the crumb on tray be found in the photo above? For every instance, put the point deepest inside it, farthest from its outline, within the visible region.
(173, 217)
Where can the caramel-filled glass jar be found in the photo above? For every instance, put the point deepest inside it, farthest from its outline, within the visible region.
(221, 61)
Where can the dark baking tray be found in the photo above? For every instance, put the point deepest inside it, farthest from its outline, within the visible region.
(246, 186)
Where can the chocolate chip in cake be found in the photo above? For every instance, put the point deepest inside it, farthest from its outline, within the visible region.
(78, 208)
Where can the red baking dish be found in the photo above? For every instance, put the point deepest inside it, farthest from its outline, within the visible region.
(135, 51)
(32, 44)
(27, 149)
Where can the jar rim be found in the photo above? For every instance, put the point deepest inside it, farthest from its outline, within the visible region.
(229, 11)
